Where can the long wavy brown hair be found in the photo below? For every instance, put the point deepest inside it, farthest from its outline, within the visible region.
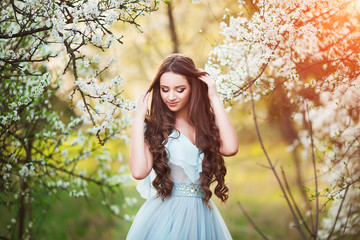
(160, 122)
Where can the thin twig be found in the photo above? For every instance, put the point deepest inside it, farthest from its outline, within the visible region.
(347, 219)
(294, 203)
(251, 221)
(315, 173)
(24, 33)
(264, 166)
(338, 213)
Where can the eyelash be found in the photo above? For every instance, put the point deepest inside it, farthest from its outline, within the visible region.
(178, 90)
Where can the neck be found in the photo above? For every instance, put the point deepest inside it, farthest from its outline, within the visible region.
(185, 127)
(182, 114)
(181, 118)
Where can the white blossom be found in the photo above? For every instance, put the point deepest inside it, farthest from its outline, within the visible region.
(96, 39)
(86, 62)
(127, 217)
(112, 15)
(95, 58)
(115, 209)
(111, 60)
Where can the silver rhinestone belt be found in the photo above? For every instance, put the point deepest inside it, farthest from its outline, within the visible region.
(187, 190)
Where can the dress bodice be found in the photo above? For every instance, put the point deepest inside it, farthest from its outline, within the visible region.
(185, 162)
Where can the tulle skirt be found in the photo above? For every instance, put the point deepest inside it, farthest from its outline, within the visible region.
(182, 216)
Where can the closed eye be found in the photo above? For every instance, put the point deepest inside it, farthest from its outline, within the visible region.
(164, 90)
(180, 90)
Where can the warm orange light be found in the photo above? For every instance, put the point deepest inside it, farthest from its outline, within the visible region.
(354, 6)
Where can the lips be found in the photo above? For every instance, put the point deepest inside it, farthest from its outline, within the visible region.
(173, 104)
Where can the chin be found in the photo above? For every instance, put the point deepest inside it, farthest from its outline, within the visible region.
(173, 109)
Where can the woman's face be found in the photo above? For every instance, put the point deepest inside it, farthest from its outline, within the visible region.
(175, 91)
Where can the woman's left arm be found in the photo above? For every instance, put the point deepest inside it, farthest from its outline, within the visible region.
(229, 141)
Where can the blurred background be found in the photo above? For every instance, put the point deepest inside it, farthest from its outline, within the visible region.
(193, 30)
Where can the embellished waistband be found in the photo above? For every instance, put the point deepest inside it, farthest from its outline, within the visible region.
(187, 190)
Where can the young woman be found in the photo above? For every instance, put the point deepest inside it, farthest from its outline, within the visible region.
(179, 154)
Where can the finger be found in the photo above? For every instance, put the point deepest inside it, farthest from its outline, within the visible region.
(207, 79)
(143, 95)
(146, 96)
(203, 78)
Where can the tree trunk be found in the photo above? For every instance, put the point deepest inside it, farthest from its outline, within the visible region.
(172, 29)
(30, 217)
(22, 212)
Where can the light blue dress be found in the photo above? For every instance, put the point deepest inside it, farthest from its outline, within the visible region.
(183, 215)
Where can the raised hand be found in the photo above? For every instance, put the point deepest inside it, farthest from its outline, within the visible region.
(141, 105)
(212, 92)
(229, 141)
(141, 159)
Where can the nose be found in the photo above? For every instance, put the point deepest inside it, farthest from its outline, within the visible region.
(172, 96)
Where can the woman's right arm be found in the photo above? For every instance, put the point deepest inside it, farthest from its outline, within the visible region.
(141, 160)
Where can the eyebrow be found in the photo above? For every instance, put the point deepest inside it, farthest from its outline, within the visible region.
(180, 86)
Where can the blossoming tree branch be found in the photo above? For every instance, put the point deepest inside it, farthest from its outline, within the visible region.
(304, 58)
(40, 150)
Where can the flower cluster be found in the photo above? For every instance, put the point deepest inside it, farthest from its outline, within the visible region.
(41, 143)
(46, 25)
(308, 49)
